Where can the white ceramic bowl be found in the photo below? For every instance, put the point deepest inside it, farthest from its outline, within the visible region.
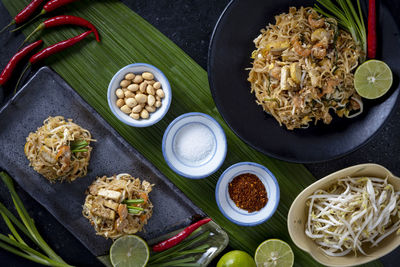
(139, 68)
(297, 218)
(207, 165)
(228, 207)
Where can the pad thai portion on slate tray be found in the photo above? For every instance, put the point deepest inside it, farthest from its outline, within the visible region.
(303, 68)
(118, 205)
(59, 150)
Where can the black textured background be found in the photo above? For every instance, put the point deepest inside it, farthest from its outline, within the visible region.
(189, 24)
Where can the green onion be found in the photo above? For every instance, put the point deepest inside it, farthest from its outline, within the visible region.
(200, 249)
(78, 146)
(133, 201)
(135, 208)
(347, 17)
(133, 211)
(187, 260)
(28, 228)
(181, 246)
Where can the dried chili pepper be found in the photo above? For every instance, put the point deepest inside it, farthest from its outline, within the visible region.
(25, 13)
(371, 29)
(248, 192)
(8, 70)
(65, 20)
(48, 7)
(173, 241)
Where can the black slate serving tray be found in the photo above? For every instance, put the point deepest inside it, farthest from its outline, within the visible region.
(47, 94)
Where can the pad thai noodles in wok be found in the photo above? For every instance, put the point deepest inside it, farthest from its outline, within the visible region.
(59, 150)
(303, 69)
(118, 205)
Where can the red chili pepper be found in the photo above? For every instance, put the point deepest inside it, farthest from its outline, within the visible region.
(371, 29)
(24, 14)
(54, 4)
(7, 72)
(48, 7)
(55, 48)
(175, 240)
(65, 20)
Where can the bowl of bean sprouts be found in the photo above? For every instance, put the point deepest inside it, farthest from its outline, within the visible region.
(349, 217)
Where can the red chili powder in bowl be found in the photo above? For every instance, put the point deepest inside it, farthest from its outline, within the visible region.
(248, 192)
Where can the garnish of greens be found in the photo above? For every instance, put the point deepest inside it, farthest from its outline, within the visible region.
(176, 239)
(78, 146)
(348, 18)
(353, 214)
(14, 242)
(133, 209)
(181, 254)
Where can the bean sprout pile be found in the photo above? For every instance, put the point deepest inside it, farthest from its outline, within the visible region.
(352, 215)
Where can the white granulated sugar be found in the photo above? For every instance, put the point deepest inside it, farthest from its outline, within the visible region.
(194, 142)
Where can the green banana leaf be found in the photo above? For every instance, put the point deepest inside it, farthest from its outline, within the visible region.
(127, 38)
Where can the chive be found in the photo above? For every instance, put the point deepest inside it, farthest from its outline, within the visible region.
(187, 265)
(9, 215)
(27, 249)
(347, 17)
(174, 262)
(180, 246)
(133, 211)
(28, 221)
(200, 249)
(135, 208)
(79, 150)
(12, 228)
(133, 201)
(23, 255)
(78, 146)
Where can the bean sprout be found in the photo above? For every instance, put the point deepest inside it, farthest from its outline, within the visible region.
(352, 212)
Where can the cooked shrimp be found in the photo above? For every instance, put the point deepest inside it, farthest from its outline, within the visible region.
(330, 87)
(319, 50)
(275, 72)
(316, 23)
(64, 157)
(299, 49)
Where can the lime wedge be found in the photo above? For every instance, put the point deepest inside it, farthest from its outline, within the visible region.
(129, 251)
(373, 79)
(274, 252)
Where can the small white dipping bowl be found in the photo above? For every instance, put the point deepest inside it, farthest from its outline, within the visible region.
(138, 68)
(229, 208)
(181, 128)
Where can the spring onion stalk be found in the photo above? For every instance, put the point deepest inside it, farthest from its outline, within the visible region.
(78, 146)
(348, 18)
(352, 213)
(28, 228)
(180, 262)
(135, 208)
(133, 201)
(173, 255)
(133, 211)
(178, 248)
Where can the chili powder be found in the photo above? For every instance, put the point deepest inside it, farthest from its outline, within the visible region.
(248, 192)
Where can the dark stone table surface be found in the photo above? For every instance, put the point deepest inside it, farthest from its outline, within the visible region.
(189, 24)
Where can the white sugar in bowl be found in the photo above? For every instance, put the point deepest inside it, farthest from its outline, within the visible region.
(194, 145)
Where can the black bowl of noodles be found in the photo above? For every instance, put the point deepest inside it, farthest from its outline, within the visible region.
(229, 61)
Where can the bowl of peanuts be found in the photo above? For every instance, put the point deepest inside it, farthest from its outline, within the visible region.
(139, 95)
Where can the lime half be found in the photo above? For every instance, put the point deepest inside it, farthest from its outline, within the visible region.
(129, 251)
(274, 252)
(373, 79)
